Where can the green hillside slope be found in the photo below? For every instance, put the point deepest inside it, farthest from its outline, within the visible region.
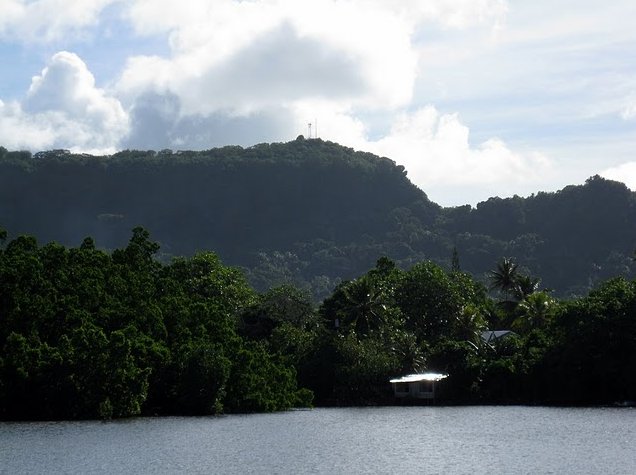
(312, 212)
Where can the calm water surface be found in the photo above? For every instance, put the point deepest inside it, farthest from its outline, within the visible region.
(445, 440)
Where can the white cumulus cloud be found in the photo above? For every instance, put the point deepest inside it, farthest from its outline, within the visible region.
(19, 131)
(64, 109)
(436, 151)
(246, 56)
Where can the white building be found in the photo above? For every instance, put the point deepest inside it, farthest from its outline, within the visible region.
(417, 386)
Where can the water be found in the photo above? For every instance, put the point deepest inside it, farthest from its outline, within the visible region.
(444, 440)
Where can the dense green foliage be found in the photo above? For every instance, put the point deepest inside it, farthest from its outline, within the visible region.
(87, 334)
(90, 334)
(312, 213)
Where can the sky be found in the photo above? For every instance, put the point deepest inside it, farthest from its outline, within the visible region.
(476, 98)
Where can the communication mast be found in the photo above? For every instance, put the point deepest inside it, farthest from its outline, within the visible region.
(313, 125)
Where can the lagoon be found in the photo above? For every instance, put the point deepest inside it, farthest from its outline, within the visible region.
(427, 439)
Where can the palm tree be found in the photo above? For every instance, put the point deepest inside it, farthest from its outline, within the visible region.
(534, 312)
(525, 286)
(364, 305)
(504, 277)
(469, 323)
(413, 359)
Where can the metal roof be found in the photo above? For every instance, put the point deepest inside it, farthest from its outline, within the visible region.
(414, 378)
(490, 336)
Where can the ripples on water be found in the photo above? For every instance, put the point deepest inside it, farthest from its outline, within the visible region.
(445, 440)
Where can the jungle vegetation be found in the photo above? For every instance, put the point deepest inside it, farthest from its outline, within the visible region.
(86, 333)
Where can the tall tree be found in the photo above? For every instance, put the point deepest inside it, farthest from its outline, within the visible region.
(504, 277)
(455, 267)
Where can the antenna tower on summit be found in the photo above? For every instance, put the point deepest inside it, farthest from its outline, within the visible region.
(313, 125)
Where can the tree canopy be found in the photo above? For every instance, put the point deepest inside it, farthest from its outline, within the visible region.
(86, 333)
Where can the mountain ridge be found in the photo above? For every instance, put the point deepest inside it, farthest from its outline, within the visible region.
(312, 212)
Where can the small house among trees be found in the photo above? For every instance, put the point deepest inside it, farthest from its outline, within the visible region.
(417, 386)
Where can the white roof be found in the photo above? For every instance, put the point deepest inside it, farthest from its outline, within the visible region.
(414, 378)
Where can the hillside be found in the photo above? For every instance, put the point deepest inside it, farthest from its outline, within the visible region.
(312, 212)
(573, 238)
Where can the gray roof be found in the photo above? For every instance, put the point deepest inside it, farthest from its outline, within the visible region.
(489, 336)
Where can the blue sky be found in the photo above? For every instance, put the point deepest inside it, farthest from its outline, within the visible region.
(476, 98)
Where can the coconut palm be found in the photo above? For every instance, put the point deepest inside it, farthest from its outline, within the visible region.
(504, 277)
(469, 323)
(525, 285)
(364, 305)
(534, 312)
(408, 352)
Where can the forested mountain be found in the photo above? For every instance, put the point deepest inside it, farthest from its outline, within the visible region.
(102, 325)
(313, 213)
